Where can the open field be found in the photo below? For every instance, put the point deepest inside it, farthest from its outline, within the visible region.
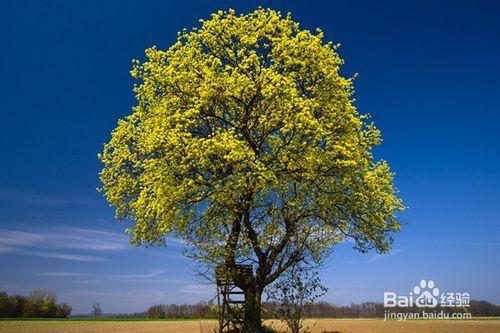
(206, 326)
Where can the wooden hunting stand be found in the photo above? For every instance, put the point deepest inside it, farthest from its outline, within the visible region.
(231, 307)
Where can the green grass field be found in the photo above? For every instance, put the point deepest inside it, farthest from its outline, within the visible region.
(480, 325)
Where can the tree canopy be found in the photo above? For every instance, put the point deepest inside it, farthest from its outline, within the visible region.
(245, 142)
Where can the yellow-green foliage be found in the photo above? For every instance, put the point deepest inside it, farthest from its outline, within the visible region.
(248, 112)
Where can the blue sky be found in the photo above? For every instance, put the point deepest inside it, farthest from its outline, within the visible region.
(428, 73)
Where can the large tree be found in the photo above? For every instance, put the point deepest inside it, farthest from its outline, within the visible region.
(245, 142)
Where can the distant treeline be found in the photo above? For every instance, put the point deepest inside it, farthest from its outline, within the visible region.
(316, 310)
(38, 304)
(43, 304)
(199, 310)
(377, 310)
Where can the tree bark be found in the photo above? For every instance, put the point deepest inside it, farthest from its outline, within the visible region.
(253, 316)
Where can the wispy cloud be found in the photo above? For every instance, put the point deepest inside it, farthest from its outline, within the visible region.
(168, 255)
(380, 256)
(197, 289)
(56, 255)
(460, 242)
(174, 242)
(5, 249)
(55, 242)
(154, 273)
(50, 242)
(65, 274)
(65, 238)
(132, 294)
(35, 198)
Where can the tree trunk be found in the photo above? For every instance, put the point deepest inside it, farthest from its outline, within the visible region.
(253, 318)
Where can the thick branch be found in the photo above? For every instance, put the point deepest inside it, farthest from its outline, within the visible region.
(232, 242)
(252, 236)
